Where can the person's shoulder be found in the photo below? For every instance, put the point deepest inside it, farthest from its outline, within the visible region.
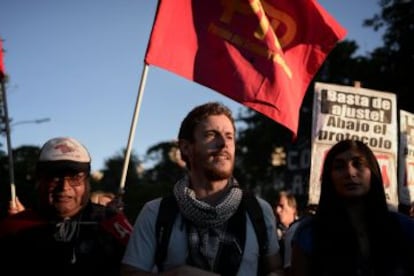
(403, 218)
(153, 205)
(264, 205)
(303, 233)
(263, 202)
(406, 222)
(304, 223)
(152, 208)
(295, 224)
(257, 206)
(291, 230)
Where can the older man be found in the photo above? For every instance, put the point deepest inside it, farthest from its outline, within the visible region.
(65, 234)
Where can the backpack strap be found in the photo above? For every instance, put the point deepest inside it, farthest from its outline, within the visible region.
(167, 213)
(255, 213)
(231, 253)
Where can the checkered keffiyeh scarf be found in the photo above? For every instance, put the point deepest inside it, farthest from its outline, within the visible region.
(202, 214)
(207, 223)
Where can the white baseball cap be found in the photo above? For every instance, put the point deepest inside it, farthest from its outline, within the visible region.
(64, 152)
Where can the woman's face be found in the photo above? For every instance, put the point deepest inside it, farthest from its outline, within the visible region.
(350, 174)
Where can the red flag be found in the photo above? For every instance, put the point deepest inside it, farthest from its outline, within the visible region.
(262, 54)
(119, 227)
(2, 70)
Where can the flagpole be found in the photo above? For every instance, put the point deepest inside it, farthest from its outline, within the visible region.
(9, 146)
(133, 128)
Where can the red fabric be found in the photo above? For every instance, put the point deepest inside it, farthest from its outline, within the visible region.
(218, 44)
(2, 69)
(13, 224)
(119, 227)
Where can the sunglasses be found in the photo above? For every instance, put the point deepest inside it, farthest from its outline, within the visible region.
(73, 180)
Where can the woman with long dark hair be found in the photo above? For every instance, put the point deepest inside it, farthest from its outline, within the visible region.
(353, 231)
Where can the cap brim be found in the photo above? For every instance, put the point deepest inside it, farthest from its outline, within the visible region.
(62, 166)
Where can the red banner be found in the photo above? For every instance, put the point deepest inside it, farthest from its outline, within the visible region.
(13, 224)
(262, 54)
(119, 227)
(2, 70)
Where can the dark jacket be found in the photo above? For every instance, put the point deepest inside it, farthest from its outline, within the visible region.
(87, 244)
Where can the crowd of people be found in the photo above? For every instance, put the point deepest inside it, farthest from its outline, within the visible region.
(209, 224)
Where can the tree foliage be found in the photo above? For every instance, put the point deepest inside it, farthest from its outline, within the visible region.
(393, 62)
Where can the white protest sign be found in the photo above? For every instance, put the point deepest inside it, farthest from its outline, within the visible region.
(346, 112)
